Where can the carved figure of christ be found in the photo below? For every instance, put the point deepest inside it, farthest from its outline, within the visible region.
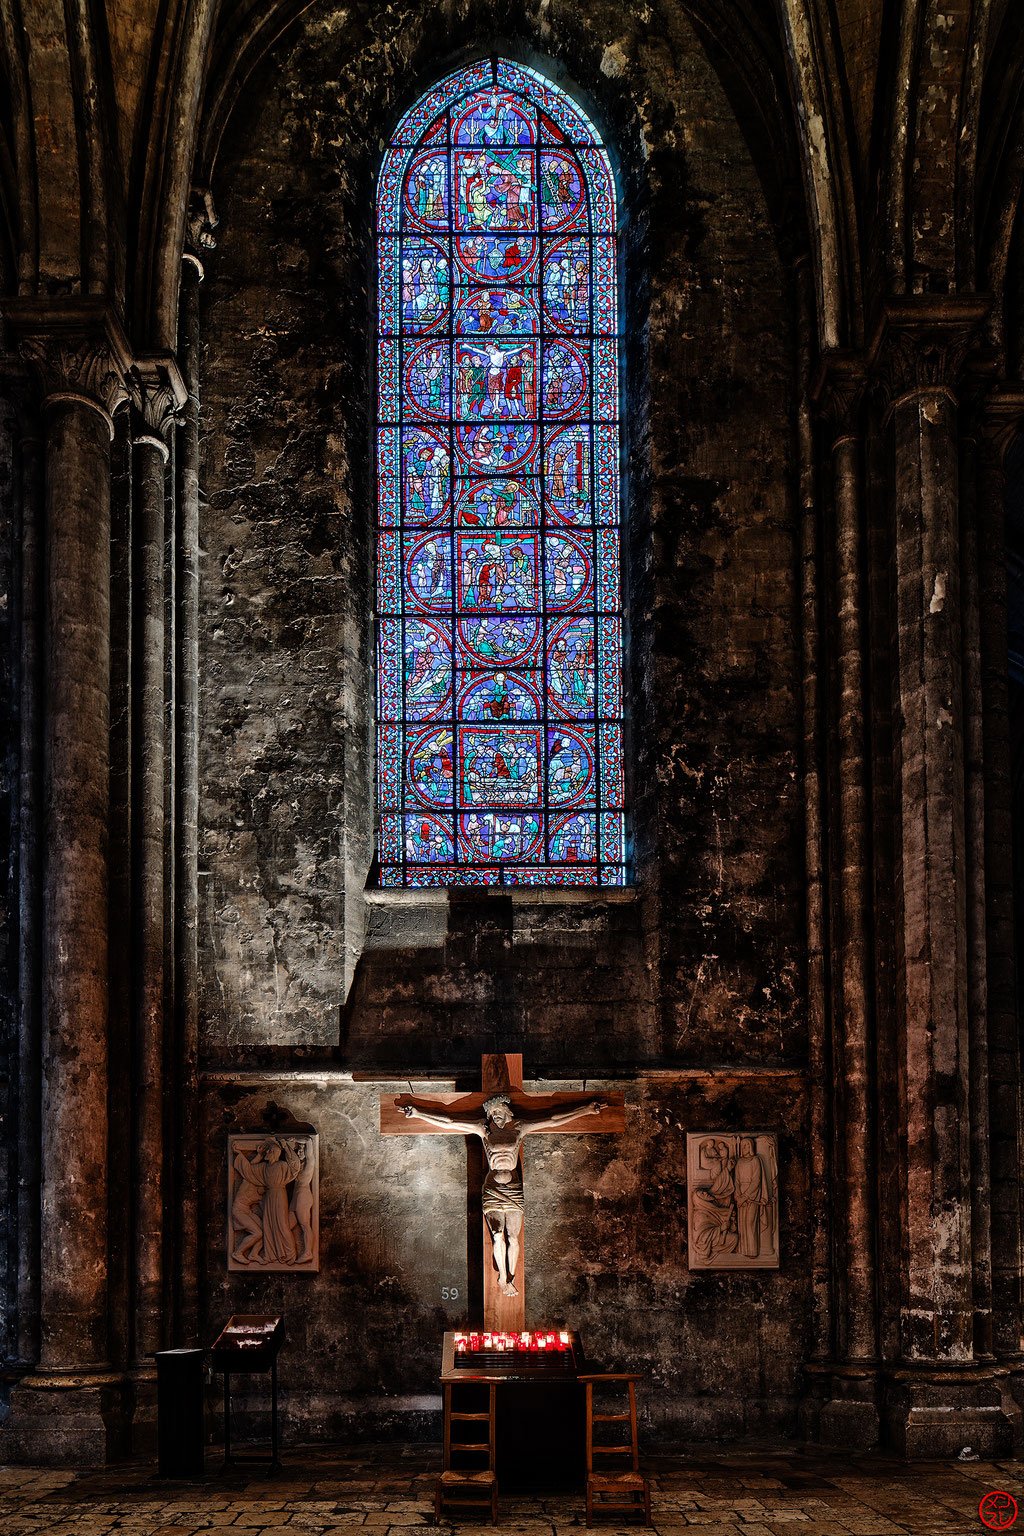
(501, 1117)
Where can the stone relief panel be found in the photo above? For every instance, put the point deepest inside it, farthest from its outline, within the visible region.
(274, 1202)
(732, 1184)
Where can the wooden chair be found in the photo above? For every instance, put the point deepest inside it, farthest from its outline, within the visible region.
(474, 1489)
(621, 1490)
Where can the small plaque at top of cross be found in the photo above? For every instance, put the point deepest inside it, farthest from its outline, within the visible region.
(502, 1115)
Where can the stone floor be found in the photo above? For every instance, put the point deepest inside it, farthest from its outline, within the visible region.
(337, 1492)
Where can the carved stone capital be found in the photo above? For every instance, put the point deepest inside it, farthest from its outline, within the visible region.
(158, 394)
(74, 349)
(838, 392)
(921, 345)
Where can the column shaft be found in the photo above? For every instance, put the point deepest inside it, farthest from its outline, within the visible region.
(148, 899)
(858, 1341)
(937, 1316)
(71, 1408)
(1002, 1008)
(813, 755)
(73, 1248)
(187, 818)
(975, 876)
(30, 781)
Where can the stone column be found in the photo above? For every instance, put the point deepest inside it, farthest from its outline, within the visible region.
(30, 848)
(938, 1398)
(71, 1409)
(850, 1417)
(158, 395)
(186, 886)
(812, 694)
(1002, 420)
(975, 880)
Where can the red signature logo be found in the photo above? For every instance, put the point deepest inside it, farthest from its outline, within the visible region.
(998, 1510)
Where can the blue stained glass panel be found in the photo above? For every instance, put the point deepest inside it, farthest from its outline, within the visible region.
(499, 632)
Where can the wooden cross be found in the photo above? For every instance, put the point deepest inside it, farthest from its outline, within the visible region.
(502, 1134)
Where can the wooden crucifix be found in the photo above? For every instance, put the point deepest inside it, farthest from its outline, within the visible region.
(502, 1115)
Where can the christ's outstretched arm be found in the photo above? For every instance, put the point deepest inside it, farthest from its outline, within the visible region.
(561, 1117)
(443, 1122)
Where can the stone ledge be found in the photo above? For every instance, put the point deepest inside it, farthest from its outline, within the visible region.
(520, 895)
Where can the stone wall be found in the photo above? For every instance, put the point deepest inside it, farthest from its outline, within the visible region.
(605, 1240)
(690, 995)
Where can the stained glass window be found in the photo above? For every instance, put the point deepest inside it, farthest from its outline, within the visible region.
(499, 608)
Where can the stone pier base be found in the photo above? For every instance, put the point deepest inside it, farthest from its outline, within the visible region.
(72, 1421)
(937, 1412)
(840, 1408)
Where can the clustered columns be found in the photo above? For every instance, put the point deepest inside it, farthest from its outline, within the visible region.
(925, 1333)
(88, 1336)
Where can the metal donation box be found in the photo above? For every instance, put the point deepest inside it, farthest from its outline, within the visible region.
(245, 1346)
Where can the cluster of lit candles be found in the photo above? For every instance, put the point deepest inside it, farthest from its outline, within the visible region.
(499, 1342)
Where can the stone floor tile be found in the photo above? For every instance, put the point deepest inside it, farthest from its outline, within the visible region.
(738, 1505)
(15, 1525)
(198, 1500)
(863, 1525)
(260, 1519)
(163, 1529)
(139, 1522)
(461, 1528)
(812, 1528)
(608, 1529)
(331, 1486)
(514, 1522)
(220, 1522)
(715, 1528)
(944, 1528)
(379, 1519)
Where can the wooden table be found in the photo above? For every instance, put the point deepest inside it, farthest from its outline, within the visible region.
(540, 1415)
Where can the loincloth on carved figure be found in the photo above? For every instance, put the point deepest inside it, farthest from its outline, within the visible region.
(500, 1198)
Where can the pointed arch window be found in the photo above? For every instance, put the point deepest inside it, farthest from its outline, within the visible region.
(499, 606)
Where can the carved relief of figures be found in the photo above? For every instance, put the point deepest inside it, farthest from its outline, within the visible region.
(733, 1187)
(273, 1202)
